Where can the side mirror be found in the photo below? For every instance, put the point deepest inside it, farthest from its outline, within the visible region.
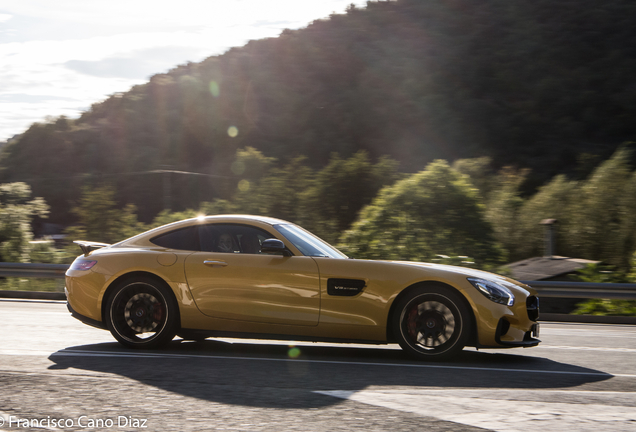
(274, 246)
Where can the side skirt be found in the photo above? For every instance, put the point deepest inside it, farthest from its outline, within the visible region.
(202, 334)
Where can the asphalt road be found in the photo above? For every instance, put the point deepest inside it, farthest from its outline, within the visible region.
(59, 374)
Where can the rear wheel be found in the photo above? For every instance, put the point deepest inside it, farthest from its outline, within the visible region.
(141, 313)
(432, 323)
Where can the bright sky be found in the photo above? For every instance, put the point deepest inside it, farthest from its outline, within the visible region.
(59, 57)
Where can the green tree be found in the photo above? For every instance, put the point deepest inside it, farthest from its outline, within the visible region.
(436, 211)
(341, 189)
(602, 214)
(480, 172)
(552, 201)
(251, 164)
(44, 251)
(503, 204)
(17, 210)
(595, 214)
(99, 219)
(166, 216)
(217, 207)
(278, 193)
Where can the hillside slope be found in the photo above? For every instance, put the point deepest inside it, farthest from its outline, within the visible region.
(540, 84)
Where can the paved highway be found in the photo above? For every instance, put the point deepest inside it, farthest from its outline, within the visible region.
(59, 374)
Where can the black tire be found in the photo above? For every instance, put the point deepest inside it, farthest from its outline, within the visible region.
(141, 313)
(432, 323)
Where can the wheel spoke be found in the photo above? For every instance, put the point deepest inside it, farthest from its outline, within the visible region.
(430, 324)
(433, 323)
(143, 313)
(138, 313)
(442, 338)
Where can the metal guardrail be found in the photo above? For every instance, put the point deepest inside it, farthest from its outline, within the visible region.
(584, 290)
(31, 270)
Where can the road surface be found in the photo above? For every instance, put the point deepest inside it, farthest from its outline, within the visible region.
(59, 374)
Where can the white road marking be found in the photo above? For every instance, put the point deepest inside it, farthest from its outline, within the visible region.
(23, 352)
(627, 334)
(505, 410)
(82, 353)
(628, 350)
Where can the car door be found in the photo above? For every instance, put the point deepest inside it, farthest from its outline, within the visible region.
(243, 284)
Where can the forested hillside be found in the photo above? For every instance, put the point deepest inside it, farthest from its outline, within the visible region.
(547, 85)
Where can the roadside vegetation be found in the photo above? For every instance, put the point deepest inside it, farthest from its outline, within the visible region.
(461, 214)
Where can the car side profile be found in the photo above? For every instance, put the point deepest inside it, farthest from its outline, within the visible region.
(259, 277)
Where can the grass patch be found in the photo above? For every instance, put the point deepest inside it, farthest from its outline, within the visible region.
(32, 284)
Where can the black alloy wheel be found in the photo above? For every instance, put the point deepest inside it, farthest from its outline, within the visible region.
(141, 313)
(432, 323)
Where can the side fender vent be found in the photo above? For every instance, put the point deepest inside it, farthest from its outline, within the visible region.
(345, 287)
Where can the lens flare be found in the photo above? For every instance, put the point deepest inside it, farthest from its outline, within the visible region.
(232, 131)
(293, 352)
(244, 185)
(214, 88)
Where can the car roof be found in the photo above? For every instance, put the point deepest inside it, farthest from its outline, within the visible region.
(233, 218)
(264, 219)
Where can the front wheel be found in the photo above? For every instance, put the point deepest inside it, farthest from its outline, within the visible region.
(432, 323)
(141, 313)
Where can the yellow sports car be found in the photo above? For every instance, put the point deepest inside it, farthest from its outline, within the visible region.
(258, 277)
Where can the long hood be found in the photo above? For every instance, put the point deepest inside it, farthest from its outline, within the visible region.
(465, 271)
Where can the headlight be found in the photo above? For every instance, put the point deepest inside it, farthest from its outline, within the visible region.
(494, 291)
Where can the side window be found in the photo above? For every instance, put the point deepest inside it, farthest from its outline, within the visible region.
(230, 238)
(217, 238)
(182, 239)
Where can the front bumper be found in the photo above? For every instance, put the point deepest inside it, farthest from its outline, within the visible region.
(509, 327)
(529, 339)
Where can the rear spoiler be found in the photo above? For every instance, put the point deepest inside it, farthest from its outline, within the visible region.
(88, 246)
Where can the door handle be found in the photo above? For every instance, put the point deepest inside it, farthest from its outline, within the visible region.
(215, 263)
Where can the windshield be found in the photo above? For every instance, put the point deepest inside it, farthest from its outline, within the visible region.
(307, 243)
